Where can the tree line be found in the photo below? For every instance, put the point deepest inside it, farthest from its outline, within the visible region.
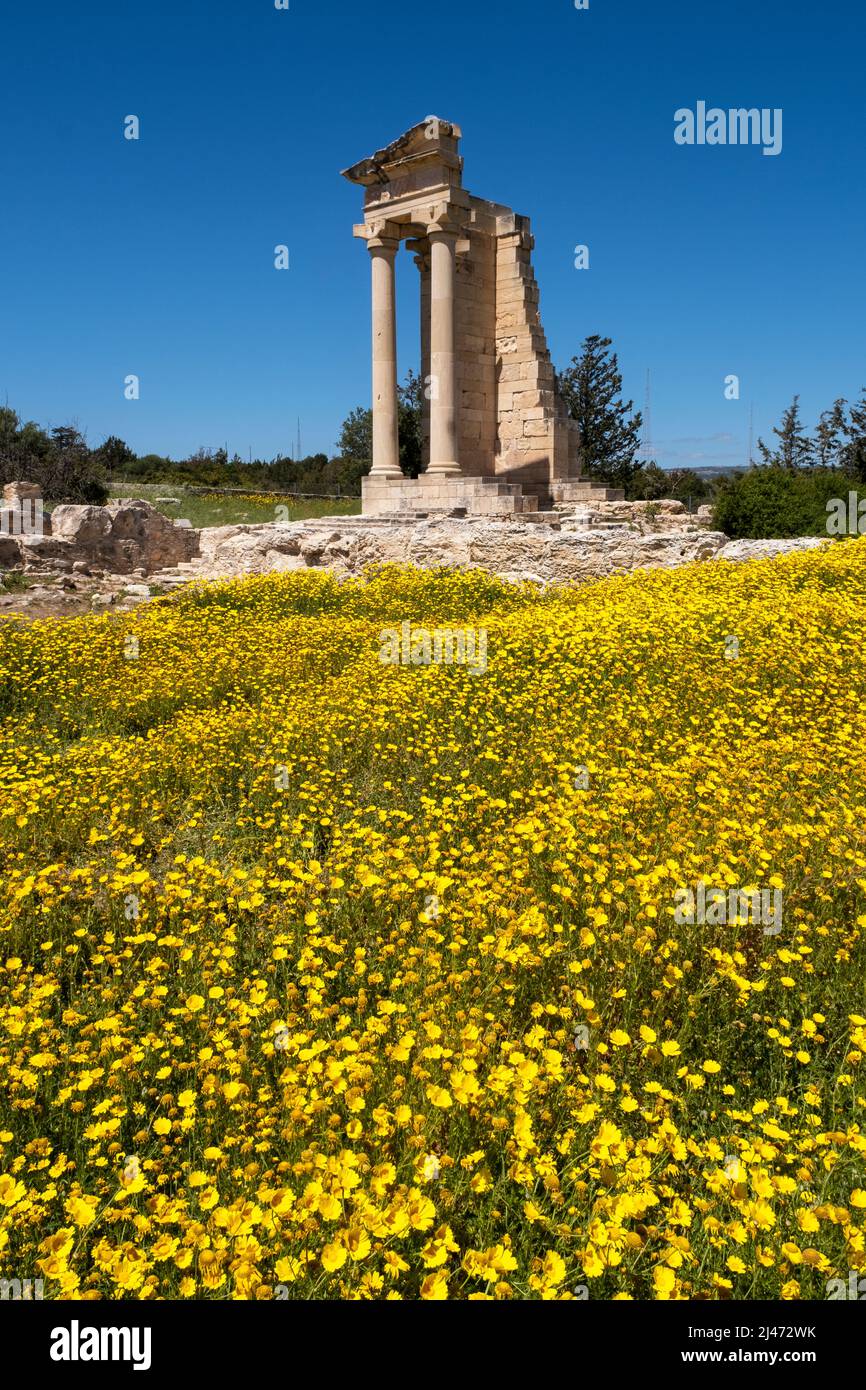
(69, 469)
(800, 476)
(838, 441)
(591, 386)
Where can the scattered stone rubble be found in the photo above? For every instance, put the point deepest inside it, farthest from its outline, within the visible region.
(122, 536)
(83, 558)
(114, 557)
(574, 549)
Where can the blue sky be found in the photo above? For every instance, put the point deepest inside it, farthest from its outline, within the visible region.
(155, 257)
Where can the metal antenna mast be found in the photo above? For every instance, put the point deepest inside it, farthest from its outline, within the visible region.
(646, 448)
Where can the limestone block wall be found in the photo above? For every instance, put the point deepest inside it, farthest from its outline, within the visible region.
(476, 346)
(511, 423)
(535, 442)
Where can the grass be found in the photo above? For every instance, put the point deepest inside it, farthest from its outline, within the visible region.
(16, 581)
(232, 510)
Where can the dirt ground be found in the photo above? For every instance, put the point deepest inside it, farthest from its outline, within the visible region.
(70, 596)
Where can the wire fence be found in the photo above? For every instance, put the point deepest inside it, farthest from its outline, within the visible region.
(203, 490)
(267, 492)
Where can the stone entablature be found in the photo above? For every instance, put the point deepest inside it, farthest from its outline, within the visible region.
(491, 410)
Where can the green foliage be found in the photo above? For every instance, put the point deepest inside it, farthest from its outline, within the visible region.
(150, 468)
(61, 463)
(409, 425)
(15, 582)
(830, 435)
(591, 388)
(773, 501)
(114, 454)
(69, 471)
(795, 448)
(356, 436)
(853, 452)
(652, 483)
(839, 441)
(204, 508)
(314, 474)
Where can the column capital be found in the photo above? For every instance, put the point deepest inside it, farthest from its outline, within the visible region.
(382, 236)
(420, 248)
(437, 232)
(444, 219)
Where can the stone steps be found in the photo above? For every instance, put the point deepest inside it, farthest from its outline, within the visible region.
(178, 575)
(171, 581)
(582, 490)
(432, 494)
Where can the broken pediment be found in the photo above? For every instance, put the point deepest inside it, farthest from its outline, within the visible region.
(425, 156)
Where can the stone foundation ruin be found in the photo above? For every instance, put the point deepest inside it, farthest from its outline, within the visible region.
(123, 537)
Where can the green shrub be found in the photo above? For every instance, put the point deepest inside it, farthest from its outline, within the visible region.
(769, 502)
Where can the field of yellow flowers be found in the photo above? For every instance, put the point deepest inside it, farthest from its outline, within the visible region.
(326, 978)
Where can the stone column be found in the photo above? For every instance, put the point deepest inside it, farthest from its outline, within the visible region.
(386, 449)
(422, 260)
(443, 397)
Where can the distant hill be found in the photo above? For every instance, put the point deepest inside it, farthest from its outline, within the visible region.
(712, 470)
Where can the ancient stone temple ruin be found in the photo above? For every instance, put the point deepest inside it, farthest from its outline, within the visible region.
(497, 439)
